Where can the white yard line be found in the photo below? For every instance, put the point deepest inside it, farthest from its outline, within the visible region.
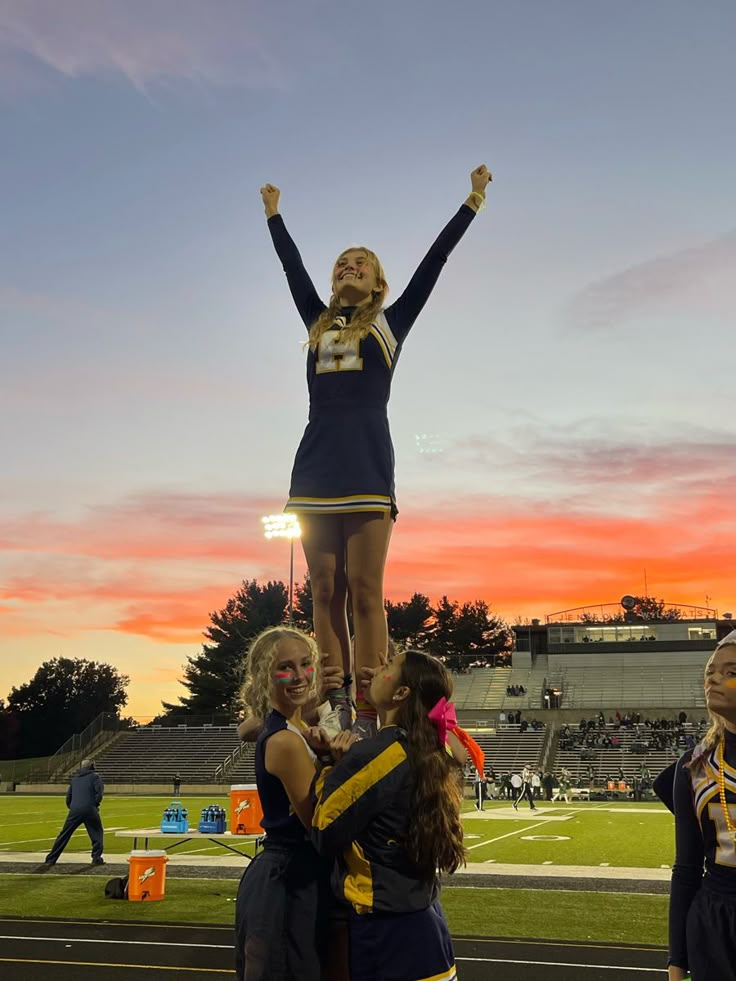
(510, 834)
(24, 841)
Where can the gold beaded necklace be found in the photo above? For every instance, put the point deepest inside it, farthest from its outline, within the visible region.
(722, 787)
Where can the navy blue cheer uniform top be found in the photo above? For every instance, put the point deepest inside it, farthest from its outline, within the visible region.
(345, 461)
(282, 913)
(704, 873)
(280, 823)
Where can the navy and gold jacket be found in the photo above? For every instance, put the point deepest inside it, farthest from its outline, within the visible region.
(362, 812)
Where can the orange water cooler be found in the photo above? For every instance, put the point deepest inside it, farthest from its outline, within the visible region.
(147, 876)
(246, 812)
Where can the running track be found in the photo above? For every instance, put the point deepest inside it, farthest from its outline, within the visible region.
(69, 950)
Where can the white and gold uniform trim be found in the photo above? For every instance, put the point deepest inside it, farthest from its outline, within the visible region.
(339, 505)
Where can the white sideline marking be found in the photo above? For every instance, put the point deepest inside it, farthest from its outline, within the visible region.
(26, 841)
(474, 960)
(17, 824)
(589, 967)
(129, 943)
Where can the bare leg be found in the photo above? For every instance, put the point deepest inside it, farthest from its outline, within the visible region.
(367, 537)
(324, 549)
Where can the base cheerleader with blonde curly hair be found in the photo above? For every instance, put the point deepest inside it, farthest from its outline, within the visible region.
(284, 901)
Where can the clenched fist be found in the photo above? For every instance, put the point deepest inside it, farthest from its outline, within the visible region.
(270, 195)
(480, 178)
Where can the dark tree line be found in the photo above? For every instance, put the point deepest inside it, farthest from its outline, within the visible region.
(459, 633)
(64, 696)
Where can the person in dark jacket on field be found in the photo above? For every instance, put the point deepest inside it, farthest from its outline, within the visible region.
(83, 799)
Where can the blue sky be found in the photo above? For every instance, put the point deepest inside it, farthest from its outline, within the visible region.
(571, 369)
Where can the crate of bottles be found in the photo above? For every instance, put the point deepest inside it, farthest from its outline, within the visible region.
(212, 820)
(175, 820)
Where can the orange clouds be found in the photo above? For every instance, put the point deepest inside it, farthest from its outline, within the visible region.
(155, 566)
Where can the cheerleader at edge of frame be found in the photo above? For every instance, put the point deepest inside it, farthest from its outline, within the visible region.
(284, 909)
(342, 481)
(389, 812)
(701, 791)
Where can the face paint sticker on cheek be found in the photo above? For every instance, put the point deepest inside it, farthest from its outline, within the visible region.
(730, 683)
(284, 677)
(309, 672)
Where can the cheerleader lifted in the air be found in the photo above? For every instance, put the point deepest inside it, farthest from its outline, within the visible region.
(342, 482)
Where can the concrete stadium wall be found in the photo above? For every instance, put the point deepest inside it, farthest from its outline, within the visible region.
(136, 789)
(562, 716)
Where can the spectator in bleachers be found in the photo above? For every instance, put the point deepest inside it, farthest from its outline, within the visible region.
(177, 784)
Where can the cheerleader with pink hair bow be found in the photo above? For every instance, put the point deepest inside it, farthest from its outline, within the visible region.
(389, 813)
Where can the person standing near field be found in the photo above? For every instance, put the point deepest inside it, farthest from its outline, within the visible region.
(525, 790)
(702, 918)
(83, 798)
(342, 481)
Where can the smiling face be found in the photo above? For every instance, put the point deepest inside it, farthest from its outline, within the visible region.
(720, 682)
(292, 673)
(355, 277)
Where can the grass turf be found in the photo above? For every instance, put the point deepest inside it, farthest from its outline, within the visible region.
(543, 914)
(639, 836)
(591, 835)
(30, 824)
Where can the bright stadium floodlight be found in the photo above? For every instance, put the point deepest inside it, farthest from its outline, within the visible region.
(284, 526)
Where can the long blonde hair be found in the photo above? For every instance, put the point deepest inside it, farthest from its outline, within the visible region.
(255, 694)
(717, 726)
(364, 315)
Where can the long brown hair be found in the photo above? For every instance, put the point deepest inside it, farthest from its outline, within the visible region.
(434, 840)
(363, 316)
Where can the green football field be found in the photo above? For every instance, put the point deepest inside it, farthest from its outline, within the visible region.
(592, 834)
(586, 834)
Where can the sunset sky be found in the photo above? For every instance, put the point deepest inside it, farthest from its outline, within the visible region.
(573, 374)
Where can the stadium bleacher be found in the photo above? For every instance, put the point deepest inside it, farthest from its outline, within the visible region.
(152, 754)
(508, 749)
(635, 682)
(629, 756)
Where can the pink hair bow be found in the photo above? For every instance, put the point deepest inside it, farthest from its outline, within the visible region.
(444, 717)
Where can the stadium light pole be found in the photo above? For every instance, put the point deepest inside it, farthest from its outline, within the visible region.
(284, 526)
